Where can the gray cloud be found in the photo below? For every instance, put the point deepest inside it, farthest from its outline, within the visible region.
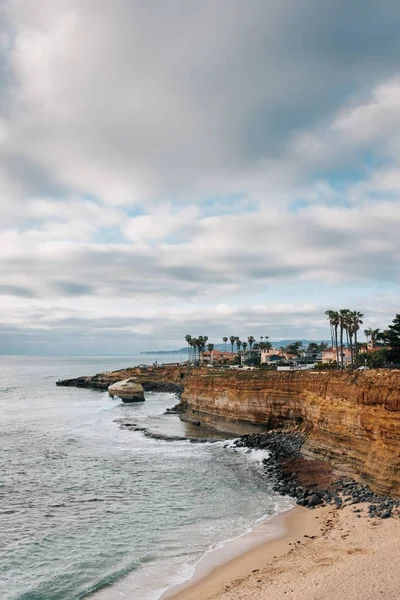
(115, 114)
(180, 90)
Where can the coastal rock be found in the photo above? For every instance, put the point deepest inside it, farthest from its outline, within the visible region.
(129, 390)
(351, 420)
(154, 379)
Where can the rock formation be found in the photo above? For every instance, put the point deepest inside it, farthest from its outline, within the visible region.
(349, 419)
(129, 390)
(157, 379)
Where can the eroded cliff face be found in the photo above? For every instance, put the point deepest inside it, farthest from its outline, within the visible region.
(352, 420)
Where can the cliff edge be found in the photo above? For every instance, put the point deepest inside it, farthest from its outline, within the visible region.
(349, 419)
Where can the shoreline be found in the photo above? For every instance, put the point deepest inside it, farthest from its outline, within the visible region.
(326, 553)
(269, 539)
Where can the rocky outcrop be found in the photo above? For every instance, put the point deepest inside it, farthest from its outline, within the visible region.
(129, 390)
(351, 420)
(157, 379)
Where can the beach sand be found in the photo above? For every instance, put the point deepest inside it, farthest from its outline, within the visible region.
(325, 554)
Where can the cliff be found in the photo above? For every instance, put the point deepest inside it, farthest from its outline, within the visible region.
(351, 420)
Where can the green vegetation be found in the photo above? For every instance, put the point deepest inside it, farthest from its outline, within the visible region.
(348, 323)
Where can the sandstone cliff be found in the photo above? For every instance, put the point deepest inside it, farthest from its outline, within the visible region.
(352, 420)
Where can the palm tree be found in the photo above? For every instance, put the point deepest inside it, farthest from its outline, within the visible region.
(210, 348)
(367, 333)
(244, 346)
(357, 321)
(232, 340)
(349, 332)
(329, 314)
(204, 340)
(251, 341)
(193, 344)
(374, 336)
(343, 322)
(225, 339)
(335, 323)
(188, 338)
(238, 346)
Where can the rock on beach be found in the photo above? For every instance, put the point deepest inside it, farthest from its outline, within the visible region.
(129, 390)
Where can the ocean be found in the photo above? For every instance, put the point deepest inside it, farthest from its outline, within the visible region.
(87, 507)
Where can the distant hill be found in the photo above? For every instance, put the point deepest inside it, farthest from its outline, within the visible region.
(279, 344)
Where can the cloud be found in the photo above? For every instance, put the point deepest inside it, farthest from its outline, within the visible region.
(192, 163)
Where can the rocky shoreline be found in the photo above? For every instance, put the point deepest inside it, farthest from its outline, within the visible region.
(333, 437)
(313, 483)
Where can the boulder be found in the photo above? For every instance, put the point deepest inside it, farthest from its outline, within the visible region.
(129, 390)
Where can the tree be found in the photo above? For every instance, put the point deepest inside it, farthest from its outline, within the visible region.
(210, 348)
(232, 340)
(244, 346)
(294, 348)
(343, 327)
(225, 339)
(374, 360)
(334, 321)
(367, 333)
(188, 339)
(312, 347)
(393, 338)
(251, 341)
(253, 360)
(356, 322)
(238, 344)
(193, 344)
(375, 335)
(381, 338)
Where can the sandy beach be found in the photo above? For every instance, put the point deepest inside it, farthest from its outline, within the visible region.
(325, 554)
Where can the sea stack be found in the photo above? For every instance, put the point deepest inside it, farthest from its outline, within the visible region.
(129, 390)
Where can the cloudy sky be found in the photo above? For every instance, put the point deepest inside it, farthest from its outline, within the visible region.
(214, 167)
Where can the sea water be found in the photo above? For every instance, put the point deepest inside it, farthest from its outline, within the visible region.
(89, 507)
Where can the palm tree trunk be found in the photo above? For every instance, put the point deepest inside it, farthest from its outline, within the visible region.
(337, 345)
(351, 347)
(355, 347)
(341, 345)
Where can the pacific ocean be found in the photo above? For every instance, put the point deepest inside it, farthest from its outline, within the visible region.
(89, 507)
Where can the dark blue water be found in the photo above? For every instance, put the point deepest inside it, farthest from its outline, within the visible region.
(84, 503)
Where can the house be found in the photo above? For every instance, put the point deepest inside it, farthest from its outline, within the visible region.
(268, 353)
(272, 358)
(219, 357)
(329, 355)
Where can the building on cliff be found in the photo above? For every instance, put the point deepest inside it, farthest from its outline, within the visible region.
(329, 355)
(219, 357)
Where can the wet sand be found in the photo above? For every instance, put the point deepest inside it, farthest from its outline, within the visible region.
(325, 554)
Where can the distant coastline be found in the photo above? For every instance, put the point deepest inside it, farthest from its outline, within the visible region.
(182, 351)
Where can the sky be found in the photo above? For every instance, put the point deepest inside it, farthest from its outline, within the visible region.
(195, 167)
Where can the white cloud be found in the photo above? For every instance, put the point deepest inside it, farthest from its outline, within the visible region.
(163, 165)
